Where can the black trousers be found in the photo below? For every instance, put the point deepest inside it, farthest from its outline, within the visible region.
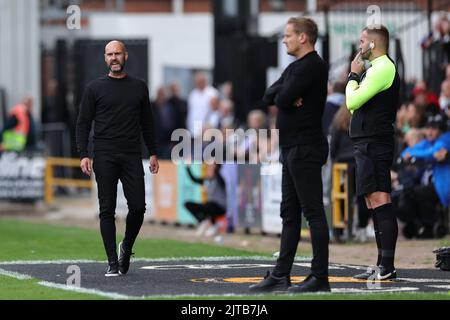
(302, 192)
(109, 168)
(209, 210)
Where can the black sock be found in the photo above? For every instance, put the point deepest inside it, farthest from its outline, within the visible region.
(388, 232)
(377, 234)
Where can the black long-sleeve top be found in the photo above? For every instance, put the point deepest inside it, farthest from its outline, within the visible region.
(304, 78)
(120, 109)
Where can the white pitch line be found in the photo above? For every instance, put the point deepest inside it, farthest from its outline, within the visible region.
(351, 266)
(193, 295)
(440, 286)
(32, 262)
(383, 290)
(224, 258)
(308, 265)
(111, 295)
(15, 275)
(212, 259)
(412, 290)
(421, 280)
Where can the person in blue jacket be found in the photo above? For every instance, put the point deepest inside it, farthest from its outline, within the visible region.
(434, 150)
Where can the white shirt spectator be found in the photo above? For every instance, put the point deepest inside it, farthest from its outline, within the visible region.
(198, 108)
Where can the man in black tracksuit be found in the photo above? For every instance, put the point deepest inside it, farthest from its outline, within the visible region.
(300, 95)
(119, 104)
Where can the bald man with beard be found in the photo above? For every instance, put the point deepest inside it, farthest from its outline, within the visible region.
(120, 108)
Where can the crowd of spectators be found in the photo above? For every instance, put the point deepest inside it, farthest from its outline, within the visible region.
(209, 108)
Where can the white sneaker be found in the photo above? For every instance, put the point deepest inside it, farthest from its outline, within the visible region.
(202, 228)
(212, 231)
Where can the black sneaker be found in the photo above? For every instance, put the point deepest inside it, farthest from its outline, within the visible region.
(124, 259)
(311, 284)
(271, 284)
(387, 273)
(366, 275)
(113, 270)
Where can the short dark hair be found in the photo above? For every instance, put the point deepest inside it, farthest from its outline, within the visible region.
(381, 31)
(305, 25)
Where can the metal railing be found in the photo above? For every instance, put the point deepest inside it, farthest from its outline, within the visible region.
(51, 181)
(341, 213)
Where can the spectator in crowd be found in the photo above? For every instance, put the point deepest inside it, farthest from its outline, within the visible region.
(269, 149)
(248, 145)
(441, 32)
(341, 150)
(335, 99)
(212, 118)
(19, 131)
(413, 137)
(199, 104)
(198, 107)
(226, 109)
(405, 178)
(165, 116)
(227, 104)
(439, 41)
(415, 116)
(401, 121)
(179, 104)
(216, 205)
(426, 100)
(226, 91)
(444, 98)
(334, 102)
(447, 72)
(433, 150)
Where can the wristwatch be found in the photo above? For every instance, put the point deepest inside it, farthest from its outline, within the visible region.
(353, 76)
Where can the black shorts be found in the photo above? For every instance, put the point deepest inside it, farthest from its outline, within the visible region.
(373, 165)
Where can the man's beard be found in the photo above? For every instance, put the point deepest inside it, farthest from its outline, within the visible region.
(122, 66)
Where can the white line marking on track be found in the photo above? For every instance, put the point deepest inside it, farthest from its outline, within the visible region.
(440, 286)
(111, 295)
(421, 280)
(206, 266)
(15, 275)
(32, 262)
(383, 290)
(332, 266)
(224, 258)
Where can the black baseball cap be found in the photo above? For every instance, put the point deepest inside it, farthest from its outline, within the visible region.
(436, 121)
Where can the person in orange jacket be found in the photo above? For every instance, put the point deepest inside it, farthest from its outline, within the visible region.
(18, 131)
